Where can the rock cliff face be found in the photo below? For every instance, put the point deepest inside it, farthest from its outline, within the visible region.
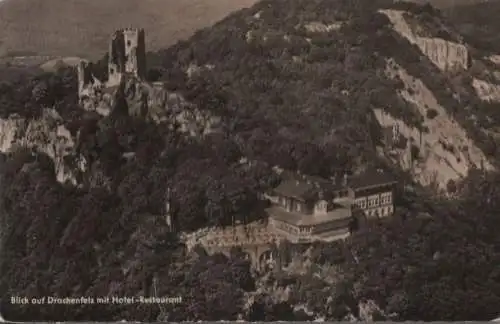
(48, 135)
(486, 91)
(151, 101)
(126, 88)
(445, 151)
(446, 55)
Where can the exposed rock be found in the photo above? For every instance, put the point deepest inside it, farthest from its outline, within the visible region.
(368, 311)
(446, 152)
(495, 59)
(486, 91)
(446, 55)
(194, 69)
(126, 88)
(47, 134)
(317, 27)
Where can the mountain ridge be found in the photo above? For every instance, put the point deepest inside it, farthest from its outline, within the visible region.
(322, 87)
(82, 28)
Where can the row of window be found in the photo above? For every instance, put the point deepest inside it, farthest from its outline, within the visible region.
(290, 205)
(292, 229)
(374, 201)
(379, 212)
(363, 203)
(386, 198)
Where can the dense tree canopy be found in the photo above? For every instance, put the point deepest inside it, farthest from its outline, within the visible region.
(286, 97)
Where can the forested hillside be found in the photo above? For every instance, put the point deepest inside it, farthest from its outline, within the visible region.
(295, 83)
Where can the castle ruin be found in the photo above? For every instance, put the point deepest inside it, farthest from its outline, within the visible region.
(127, 81)
(126, 58)
(127, 55)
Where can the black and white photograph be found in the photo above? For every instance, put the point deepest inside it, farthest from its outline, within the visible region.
(249, 160)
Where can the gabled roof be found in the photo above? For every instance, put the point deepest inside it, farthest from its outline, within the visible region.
(296, 189)
(371, 178)
(304, 187)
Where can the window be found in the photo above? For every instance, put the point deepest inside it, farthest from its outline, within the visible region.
(386, 198)
(129, 43)
(321, 206)
(299, 207)
(371, 202)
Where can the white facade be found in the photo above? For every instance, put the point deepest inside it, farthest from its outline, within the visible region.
(377, 205)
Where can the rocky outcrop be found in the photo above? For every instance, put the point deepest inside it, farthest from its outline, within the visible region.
(147, 100)
(494, 59)
(486, 91)
(318, 27)
(47, 134)
(126, 88)
(446, 55)
(445, 150)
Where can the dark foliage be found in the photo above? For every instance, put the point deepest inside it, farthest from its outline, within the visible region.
(284, 101)
(479, 24)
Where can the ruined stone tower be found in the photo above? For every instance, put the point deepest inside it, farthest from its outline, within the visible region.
(127, 55)
(84, 77)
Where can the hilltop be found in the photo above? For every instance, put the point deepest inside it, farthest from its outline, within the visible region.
(82, 28)
(316, 80)
(325, 87)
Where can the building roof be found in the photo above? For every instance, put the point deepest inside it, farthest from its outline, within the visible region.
(298, 219)
(296, 189)
(304, 187)
(370, 178)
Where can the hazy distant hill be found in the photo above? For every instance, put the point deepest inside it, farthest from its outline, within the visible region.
(82, 27)
(449, 3)
(324, 87)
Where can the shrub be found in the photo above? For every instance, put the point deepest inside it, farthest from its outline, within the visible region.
(431, 113)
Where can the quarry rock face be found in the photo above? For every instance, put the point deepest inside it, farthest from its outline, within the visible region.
(446, 152)
(127, 88)
(445, 55)
(48, 135)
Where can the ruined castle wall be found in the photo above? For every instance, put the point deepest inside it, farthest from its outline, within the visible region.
(127, 54)
(135, 52)
(84, 78)
(117, 58)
